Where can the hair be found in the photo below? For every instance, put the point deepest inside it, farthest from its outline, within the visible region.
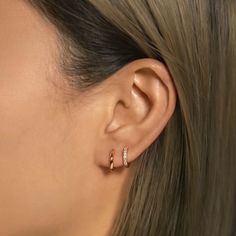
(185, 181)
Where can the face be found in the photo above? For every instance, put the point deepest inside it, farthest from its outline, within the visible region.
(41, 139)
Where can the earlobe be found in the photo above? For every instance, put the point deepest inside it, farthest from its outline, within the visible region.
(147, 86)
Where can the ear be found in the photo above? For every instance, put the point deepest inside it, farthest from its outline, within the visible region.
(139, 100)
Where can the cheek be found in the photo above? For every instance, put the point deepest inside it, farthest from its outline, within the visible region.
(29, 144)
(35, 177)
(39, 175)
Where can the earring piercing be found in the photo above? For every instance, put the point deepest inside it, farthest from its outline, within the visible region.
(125, 161)
(111, 160)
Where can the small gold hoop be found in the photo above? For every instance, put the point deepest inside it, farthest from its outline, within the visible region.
(111, 160)
(125, 157)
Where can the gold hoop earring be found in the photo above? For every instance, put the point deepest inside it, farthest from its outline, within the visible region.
(125, 157)
(111, 160)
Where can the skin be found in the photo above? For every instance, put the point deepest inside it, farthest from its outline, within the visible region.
(54, 177)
